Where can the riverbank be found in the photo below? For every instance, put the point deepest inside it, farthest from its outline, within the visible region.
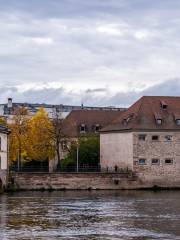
(73, 181)
(86, 181)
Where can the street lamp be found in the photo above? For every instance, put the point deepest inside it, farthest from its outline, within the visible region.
(77, 157)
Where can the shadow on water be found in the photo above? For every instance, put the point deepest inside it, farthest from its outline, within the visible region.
(111, 215)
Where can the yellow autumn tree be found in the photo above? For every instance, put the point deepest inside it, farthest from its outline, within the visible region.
(40, 145)
(18, 136)
(3, 121)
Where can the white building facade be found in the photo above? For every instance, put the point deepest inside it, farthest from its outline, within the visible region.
(4, 132)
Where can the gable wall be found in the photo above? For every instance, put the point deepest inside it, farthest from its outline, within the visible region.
(3, 151)
(116, 149)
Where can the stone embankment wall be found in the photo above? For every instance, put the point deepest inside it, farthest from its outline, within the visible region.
(73, 181)
(3, 180)
(87, 181)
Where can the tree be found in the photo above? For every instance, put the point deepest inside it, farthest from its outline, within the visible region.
(57, 134)
(3, 121)
(18, 136)
(41, 146)
(89, 152)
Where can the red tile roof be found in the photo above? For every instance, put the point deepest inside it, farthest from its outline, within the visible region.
(142, 115)
(71, 125)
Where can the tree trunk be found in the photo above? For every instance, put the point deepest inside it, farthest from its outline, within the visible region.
(58, 156)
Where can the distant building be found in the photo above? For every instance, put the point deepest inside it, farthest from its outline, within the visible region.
(85, 123)
(3, 155)
(8, 110)
(146, 140)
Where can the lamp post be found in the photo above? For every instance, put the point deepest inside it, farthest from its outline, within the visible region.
(77, 157)
(18, 162)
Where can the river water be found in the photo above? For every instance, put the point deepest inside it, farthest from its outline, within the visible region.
(106, 215)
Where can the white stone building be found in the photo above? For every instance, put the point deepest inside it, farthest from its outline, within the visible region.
(4, 132)
(8, 110)
(146, 140)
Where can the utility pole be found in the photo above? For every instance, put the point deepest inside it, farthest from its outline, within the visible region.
(77, 157)
(18, 161)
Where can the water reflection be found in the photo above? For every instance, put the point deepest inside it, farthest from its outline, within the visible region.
(106, 215)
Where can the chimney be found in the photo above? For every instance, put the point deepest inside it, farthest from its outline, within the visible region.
(9, 103)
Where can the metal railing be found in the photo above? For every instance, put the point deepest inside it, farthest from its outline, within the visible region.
(86, 169)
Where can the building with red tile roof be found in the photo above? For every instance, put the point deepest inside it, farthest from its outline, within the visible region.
(85, 123)
(88, 122)
(146, 140)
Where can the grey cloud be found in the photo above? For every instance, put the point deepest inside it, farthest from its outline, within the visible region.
(119, 44)
(96, 90)
(62, 96)
(168, 88)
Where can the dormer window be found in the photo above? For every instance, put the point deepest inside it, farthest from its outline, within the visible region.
(164, 105)
(158, 118)
(82, 128)
(128, 119)
(97, 127)
(159, 121)
(177, 118)
(178, 122)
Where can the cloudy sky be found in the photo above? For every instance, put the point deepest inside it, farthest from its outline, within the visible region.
(99, 52)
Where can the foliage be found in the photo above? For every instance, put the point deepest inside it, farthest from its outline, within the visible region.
(3, 121)
(18, 136)
(89, 152)
(68, 163)
(31, 138)
(57, 132)
(40, 144)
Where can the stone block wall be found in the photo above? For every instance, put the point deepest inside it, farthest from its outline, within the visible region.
(3, 179)
(73, 181)
(162, 174)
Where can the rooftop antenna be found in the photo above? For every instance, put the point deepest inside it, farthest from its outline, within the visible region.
(9, 103)
(82, 105)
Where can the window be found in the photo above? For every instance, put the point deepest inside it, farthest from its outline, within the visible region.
(64, 145)
(155, 161)
(155, 137)
(142, 161)
(115, 168)
(168, 138)
(97, 127)
(82, 128)
(164, 105)
(169, 161)
(159, 121)
(178, 122)
(142, 137)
